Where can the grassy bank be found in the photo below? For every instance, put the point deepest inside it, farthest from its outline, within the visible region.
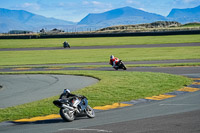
(97, 55)
(98, 41)
(191, 25)
(112, 87)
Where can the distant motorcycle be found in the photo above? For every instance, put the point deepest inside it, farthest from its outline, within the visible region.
(66, 44)
(120, 65)
(73, 107)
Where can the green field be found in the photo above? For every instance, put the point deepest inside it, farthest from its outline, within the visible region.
(99, 41)
(97, 55)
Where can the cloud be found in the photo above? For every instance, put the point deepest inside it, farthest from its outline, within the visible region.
(93, 3)
(142, 9)
(30, 6)
(191, 1)
(61, 4)
(96, 3)
(85, 2)
(132, 2)
(95, 6)
(187, 2)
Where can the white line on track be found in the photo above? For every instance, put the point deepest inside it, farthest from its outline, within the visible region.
(77, 129)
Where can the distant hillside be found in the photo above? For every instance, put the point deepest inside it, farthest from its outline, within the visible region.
(185, 15)
(158, 24)
(121, 16)
(23, 20)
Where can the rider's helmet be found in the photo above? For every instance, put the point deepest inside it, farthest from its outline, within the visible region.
(112, 57)
(66, 91)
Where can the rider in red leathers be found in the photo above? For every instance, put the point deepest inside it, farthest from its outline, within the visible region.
(114, 61)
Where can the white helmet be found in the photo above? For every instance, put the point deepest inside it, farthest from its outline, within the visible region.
(112, 57)
(66, 91)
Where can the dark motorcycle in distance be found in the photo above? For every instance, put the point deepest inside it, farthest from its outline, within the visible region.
(73, 107)
(120, 65)
(66, 44)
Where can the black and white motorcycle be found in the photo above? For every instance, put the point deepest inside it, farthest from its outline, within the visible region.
(66, 44)
(73, 107)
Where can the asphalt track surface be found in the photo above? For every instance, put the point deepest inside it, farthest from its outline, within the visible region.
(106, 63)
(20, 89)
(180, 114)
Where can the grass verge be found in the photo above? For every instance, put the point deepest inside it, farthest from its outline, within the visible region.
(97, 55)
(98, 41)
(113, 87)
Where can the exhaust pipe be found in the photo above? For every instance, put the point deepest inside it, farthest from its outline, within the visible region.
(68, 107)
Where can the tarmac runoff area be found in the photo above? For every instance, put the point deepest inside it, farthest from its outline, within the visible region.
(20, 89)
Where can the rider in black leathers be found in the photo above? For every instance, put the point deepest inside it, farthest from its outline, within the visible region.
(66, 94)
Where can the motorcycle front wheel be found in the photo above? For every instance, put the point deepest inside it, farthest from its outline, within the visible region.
(123, 66)
(67, 115)
(90, 112)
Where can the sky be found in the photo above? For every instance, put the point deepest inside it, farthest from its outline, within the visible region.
(75, 10)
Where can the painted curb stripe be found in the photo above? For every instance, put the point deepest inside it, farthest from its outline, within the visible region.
(53, 116)
(113, 106)
(195, 78)
(189, 89)
(21, 69)
(160, 97)
(196, 83)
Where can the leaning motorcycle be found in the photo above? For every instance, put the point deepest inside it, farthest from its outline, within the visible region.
(71, 108)
(120, 65)
(66, 44)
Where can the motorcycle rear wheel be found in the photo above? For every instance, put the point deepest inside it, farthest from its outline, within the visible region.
(67, 115)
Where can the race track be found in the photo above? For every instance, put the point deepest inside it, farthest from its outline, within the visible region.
(20, 89)
(178, 114)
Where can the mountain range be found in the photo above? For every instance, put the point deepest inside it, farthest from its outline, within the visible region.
(23, 20)
(185, 15)
(122, 16)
